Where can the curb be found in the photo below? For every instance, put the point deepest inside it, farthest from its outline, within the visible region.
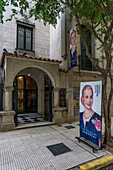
(96, 163)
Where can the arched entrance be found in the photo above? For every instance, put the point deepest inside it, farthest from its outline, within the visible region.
(32, 99)
(24, 96)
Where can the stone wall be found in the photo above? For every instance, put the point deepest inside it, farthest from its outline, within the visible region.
(57, 39)
(8, 36)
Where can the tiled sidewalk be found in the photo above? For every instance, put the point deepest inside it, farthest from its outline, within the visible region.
(26, 149)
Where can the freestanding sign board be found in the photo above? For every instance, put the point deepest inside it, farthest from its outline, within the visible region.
(90, 111)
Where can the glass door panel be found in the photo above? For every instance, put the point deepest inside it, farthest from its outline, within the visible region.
(26, 95)
(30, 102)
(20, 101)
(20, 81)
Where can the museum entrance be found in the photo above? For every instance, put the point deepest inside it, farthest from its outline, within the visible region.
(24, 96)
(32, 103)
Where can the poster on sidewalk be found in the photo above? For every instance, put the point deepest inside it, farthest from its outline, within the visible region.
(90, 111)
(73, 47)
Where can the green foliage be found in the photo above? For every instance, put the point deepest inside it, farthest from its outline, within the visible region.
(3, 4)
(47, 10)
(96, 15)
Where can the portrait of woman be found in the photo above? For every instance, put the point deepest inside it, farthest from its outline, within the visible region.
(90, 121)
(73, 51)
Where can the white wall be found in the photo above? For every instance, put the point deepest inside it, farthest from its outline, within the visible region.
(57, 39)
(8, 36)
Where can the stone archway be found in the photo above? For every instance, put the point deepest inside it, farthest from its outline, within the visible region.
(14, 66)
(44, 93)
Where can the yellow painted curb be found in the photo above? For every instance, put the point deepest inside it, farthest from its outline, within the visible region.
(96, 163)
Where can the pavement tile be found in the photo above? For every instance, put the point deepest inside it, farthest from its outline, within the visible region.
(26, 149)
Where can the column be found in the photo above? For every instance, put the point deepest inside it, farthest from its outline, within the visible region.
(70, 97)
(40, 100)
(56, 97)
(7, 115)
(8, 97)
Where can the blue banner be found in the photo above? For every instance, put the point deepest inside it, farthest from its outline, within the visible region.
(73, 47)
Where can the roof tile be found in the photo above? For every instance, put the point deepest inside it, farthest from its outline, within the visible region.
(27, 57)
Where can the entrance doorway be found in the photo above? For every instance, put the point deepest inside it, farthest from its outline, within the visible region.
(32, 104)
(24, 96)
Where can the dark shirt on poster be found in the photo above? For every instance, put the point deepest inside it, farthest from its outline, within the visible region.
(73, 59)
(90, 132)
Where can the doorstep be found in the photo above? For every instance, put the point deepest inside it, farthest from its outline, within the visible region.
(31, 125)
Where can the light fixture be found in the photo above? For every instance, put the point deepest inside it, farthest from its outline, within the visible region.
(20, 77)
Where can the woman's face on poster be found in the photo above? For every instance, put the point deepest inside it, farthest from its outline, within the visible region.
(73, 38)
(87, 98)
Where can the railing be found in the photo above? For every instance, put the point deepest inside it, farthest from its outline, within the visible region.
(85, 63)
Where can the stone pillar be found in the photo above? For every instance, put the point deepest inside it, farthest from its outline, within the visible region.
(56, 97)
(70, 96)
(7, 120)
(40, 100)
(8, 97)
(7, 116)
(59, 113)
(57, 117)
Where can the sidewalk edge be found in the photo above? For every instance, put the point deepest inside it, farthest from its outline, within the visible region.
(96, 163)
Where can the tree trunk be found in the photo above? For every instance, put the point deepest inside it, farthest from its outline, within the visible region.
(109, 104)
(104, 85)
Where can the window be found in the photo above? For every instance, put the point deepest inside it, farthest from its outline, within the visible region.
(24, 37)
(62, 97)
(87, 36)
(76, 91)
(85, 63)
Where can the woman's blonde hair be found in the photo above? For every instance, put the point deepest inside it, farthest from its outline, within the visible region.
(71, 35)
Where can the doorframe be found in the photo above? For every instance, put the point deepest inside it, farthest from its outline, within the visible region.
(48, 88)
(15, 97)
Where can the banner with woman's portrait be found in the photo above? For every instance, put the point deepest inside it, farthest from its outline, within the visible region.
(73, 47)
(90, 111)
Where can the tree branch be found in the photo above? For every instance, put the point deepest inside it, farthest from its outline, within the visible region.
(101, 11)
(109, 30)
(106, 37)
(63, 2)
(110, 9)
(93, 29)
(105, 7)
(111, 42)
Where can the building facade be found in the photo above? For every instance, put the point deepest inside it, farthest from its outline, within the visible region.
(36, 73)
